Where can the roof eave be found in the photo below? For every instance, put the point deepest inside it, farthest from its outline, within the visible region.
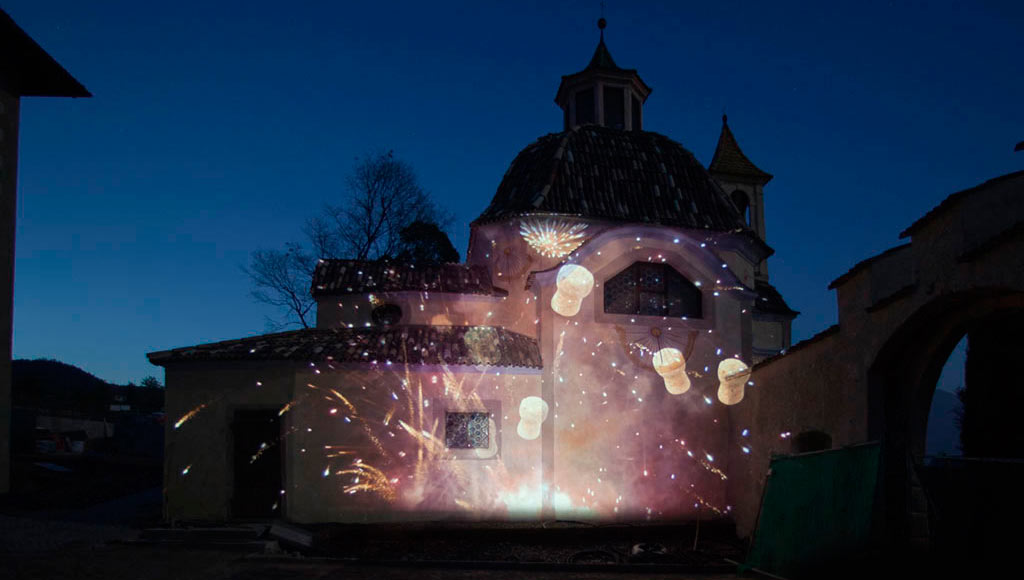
(36, 73)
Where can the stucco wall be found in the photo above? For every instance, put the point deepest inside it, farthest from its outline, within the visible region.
(622, 445)
(203, 397)
(379, 454)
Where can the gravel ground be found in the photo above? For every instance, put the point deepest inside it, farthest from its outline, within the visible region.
(124, 562)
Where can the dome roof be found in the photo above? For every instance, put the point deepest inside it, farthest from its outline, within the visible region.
(610, 174)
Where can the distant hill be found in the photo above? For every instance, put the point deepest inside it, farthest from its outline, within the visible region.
(60, 387)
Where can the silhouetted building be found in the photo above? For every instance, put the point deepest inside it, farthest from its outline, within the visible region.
(25, 71)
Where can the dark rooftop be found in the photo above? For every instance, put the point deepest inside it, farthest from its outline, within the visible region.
(337, 277)
(27, 70)
(452, 345)
(770, 301)
(729, 159)
(624, 176)
(864, 264)
(955, 198)
(602, 59)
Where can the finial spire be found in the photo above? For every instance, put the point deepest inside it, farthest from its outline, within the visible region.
(601, 22)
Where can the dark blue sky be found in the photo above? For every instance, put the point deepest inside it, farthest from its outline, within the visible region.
(217, 128)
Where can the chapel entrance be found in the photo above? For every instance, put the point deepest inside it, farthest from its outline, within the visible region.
(257, 465)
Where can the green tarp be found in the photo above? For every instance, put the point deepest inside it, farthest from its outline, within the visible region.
(816, 509)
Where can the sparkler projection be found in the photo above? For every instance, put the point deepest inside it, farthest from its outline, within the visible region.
(552, 238)
(632, 415)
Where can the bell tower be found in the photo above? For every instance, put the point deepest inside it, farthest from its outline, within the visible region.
(603, 93)
(744, 183)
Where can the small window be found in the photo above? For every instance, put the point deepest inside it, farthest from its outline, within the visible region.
(386, 314)
(467, 431)
(652, 290)
(585, 107)
(742, 203)
(614, 107)
(637, 124)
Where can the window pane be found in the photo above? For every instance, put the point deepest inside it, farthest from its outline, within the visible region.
(585, 107)
(467, 431)
(652, 290)
(614, 107)
(652, 277)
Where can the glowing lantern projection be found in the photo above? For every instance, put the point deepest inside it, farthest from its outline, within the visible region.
(532, 412)
(732, 377)
(574, 283)
(671, 365)
(552, 238)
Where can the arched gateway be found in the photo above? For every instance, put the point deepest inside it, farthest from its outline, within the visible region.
(872, 376)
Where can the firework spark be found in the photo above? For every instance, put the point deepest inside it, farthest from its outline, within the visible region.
(552, 238)
(189, 415)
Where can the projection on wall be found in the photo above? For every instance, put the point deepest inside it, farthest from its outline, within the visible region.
(625, 418)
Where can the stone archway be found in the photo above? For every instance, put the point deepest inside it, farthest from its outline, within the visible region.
(901, 382)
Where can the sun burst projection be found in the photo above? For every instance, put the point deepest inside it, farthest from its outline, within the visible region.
(552, 238)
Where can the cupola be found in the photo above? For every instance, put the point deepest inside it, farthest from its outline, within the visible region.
(603, 93)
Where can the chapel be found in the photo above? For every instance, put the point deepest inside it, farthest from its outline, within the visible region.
(582, 363)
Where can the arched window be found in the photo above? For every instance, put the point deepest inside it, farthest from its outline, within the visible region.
(742, 202)
(651, 290)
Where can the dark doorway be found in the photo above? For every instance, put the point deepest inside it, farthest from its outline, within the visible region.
(257, 464)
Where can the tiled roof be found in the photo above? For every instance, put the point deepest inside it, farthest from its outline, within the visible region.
(770, 301)
(730, 160)
(335, 277)
(452, 345)
(625, 176)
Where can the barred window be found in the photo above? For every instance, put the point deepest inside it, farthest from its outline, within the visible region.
(651, 290)
(467, 431)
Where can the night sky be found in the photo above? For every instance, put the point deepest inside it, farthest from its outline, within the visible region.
(218, 128)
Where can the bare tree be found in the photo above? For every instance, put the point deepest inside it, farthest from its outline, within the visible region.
(282, 279)
(383, 199)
